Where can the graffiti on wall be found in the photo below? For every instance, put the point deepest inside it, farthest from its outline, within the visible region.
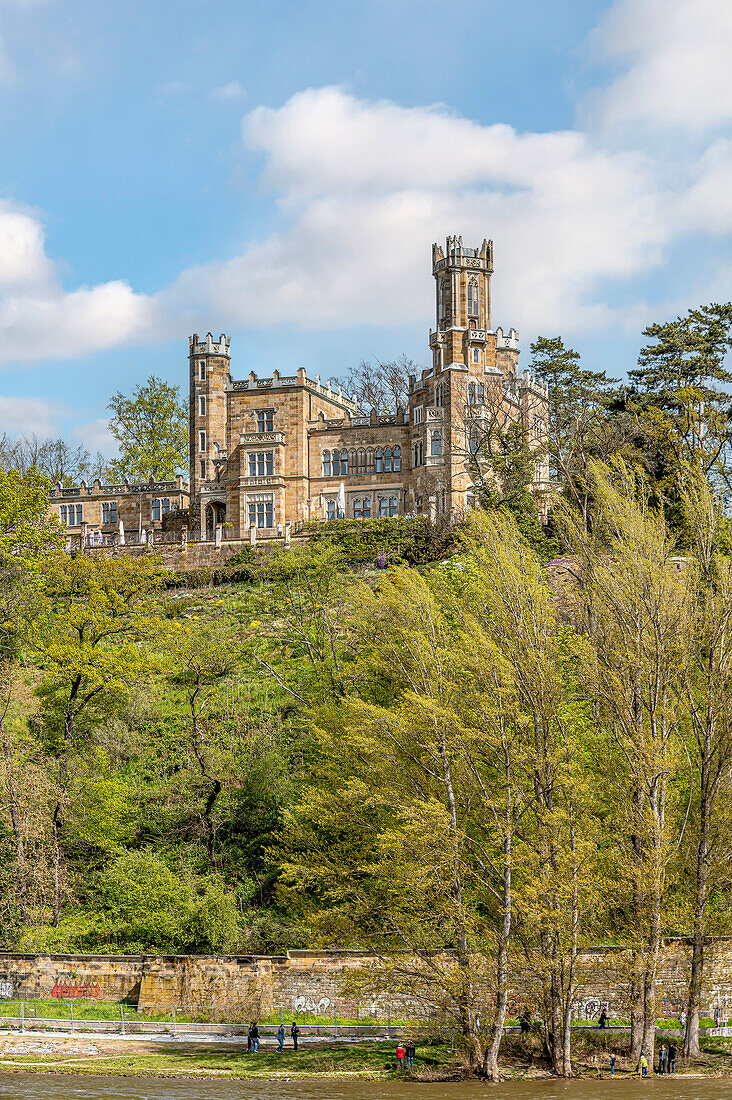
(76, 990)
(6, 989)
(307, 1004)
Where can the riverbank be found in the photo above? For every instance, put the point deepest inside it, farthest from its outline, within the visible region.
(118, 1057)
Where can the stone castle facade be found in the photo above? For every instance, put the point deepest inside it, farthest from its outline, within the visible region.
(266, 452)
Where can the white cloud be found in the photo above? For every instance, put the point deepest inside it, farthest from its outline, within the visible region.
(232, 90)
(96, 436)
(28, 415)
(679, 56)
(39, 319)
(367, 187)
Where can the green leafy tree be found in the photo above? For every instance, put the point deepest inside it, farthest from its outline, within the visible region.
(151, 428)
(27, 528)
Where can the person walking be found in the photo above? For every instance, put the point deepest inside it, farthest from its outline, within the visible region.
(410, 1052)
(280, 1038)
(602, 1020)
(254, 1037)
(400, 1052)
(525, 1021)
(682, 1021)
(663, 1059)
(294, 1032)
(672, 1058)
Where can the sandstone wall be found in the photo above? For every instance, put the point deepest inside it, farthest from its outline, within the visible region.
(309, 981)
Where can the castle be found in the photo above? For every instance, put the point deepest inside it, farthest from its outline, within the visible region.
(268, 452)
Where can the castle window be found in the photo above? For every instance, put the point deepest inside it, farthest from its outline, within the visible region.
(439, 396)
(331, 509)
(383, 507)
(203, 468)
(261, 514)
(473, 307)
(481, 393)
(202, 370)
(201, 404)
(160, 508)
(393, 506)
(471, 393)
(326, 463)
(397, 459)
(265, 420)
(387, 460)
(474, 441)
(436, 448)
(202, 441)
(261, 463)
(357, 510)
(109, 512)
(367, 508)
(379, 461)
(419, 414)
(336, 463)
(418, 453)
(361, 462)
(476, 355)
(344, 462)
(64, 519)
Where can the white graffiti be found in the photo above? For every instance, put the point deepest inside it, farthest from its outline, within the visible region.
(6, 989)
(307, 1004)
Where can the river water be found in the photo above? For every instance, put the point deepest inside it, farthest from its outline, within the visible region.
(61, 1087)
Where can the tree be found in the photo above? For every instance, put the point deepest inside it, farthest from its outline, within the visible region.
(381, 386)
(27, 528)
(151, 428)
(679, 398)
(91, 645)
(579, 427)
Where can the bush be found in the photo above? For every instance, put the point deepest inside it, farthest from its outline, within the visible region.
(361, 541)
(213, 576)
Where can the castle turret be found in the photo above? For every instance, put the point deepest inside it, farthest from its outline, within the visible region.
(209, 374)
(462, 303)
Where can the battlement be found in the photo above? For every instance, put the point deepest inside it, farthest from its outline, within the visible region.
(208, 346)
(96, 489)
(509, 341)
(278, 382)
(455, 254)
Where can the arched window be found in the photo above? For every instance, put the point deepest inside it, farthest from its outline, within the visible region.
(387, 460)
(476, 355)
(397, 459)
(370, 460)
(331, 509)
(393, 506)
(473, 308)
(361, 461)
(415, 457)
(357, 510)
(383, 507)
(344, 462)
(367, 508)
(379, 460)
(471, 393)
(481, 393)
(336, 463)
(326, 463)
(436, 444)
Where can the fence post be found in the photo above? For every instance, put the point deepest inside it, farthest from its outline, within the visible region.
(22, 1016)
(175, 1030)
(122, 1018)
(71, 1012)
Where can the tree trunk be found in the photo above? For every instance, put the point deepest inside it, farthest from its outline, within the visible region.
(693, 1008)
(15, 822)
(490, 1059)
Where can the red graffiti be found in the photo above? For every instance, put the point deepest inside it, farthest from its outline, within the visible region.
(76, 990)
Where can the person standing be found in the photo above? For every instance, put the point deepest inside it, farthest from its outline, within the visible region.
(280, 1038)
(612, 1064)
(682, 1021)
(644, 1066)
(254, 1033)
(400, 1057)
(672, 1058)
(294, 1032)
(410, 1052)
(249, 1038)
(663, 1059)
(602, 1020)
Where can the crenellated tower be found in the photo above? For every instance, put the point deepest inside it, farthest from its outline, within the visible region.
(209, 375)
(462, 304)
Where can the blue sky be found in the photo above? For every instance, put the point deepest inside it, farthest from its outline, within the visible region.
(279, 172)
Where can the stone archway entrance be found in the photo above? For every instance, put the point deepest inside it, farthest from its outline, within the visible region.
(214, 513)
